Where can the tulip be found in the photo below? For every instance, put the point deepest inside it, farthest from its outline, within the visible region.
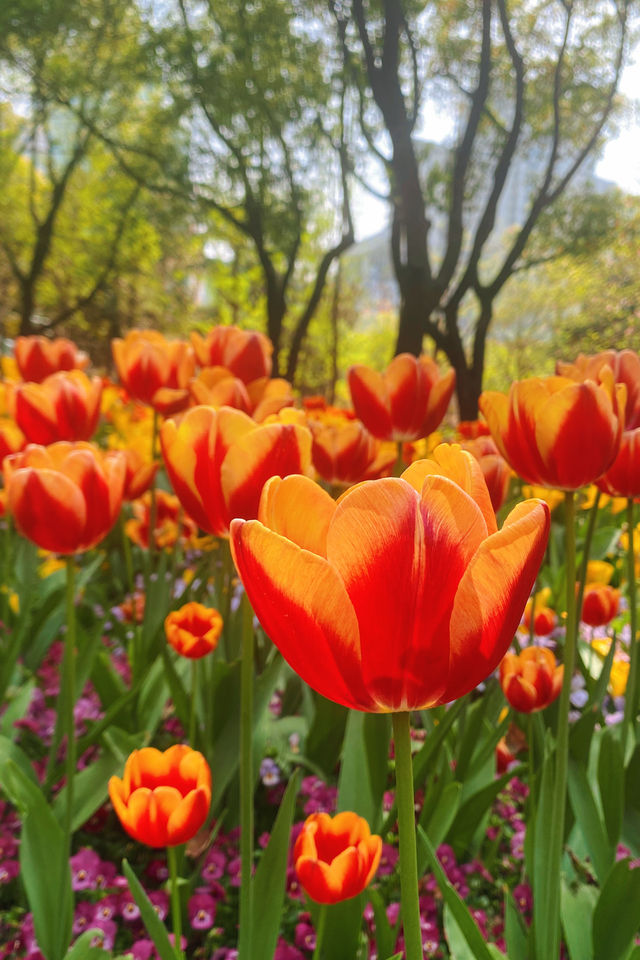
(155, 370)
(496, 470)
(544, 620)
(600, 604)
(531, 680)
(164, 797)
(472, 429)
(65, 406)
(193, 630)
(407, 402)
(246, 353)
(326, 577)
(218, 461)
(37, 357)
(625, 365)
(65, 497)
(217, 387)
(139, 475)
(344, 452)
(556, 432)
(169, 526)
(12, 439)
(622, 479)
(336, 857)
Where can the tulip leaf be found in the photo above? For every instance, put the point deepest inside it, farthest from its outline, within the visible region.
(611, 784)
(601, 684)
(538, 850)
(461, 930)
(269, 883)
(516, 934)
(365, 765)
(577, 912)
(48, 890)
(343, 929)
(153, 924)
(89, 790)
(386, 935)
(439, 820)
(614, 928)
(326, 734)
(589, 820)
(471, 812)
(154, 693)
(82, 949)
(179, 696)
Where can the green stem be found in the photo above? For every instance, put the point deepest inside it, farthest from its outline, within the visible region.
(246, 781)
(194, 700)
(227, 572)
(322, 922)
(630, 709)
(153, 507)
(400, 465)
(593, 517)
(176, 906)
(126, 549)
(552, 893)
(69, 684)
(408, 860)
(532, 764)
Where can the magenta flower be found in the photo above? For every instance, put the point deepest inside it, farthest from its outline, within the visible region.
(202, 911)
(85, 867)
(9, 869)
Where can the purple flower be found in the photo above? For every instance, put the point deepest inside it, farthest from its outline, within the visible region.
(233, 870)
(225, 953)
(105, 934)
(8, 870)
(83, 917)
(8, 845)
(202, 911)
(214, 865)
(284, 951)
(85, 867)
(158, 871)
(160, 901)
(305, 936)
(388, 859)
(107, 908)
(128, 908)
(269, 772)
(523, 897)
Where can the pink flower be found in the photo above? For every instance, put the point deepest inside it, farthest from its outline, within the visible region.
(202, 911)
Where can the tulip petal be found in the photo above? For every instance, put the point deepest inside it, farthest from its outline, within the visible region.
(188, 816)
(492, 595)
(370, 400)
(298, 509)
(48, 508)
(301, 602)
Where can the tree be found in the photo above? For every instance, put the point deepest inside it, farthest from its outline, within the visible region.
(533, 80)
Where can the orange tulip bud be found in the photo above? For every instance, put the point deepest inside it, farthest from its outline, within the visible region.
(155, 370)
(622, 479)
(345, 452)
(65, 497)
(246, 353)
(139, 474)
(170, 526)
(544, 620)
(557, 432)
(531, 680)
(12, 439)
(163, 798)
(600, 604)
(65, 406)
(38, 357)
(324, 580)
(625, 365)
(406, 402)
(193, 630)
(219, 460)
(336, 858)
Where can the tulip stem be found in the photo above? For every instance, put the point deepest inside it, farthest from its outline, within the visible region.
(593, 516)
(176, 906)
(153, 506)
(632, 682)
(408, 860)
(246, 781)
(126, 549)
(550, 896)
(322, 922)
(69, 669)
(399, 467)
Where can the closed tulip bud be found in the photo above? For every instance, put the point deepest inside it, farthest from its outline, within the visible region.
(558, 432)
(544, 620)
(344, 452)
(336, 858)
(65, 406)
(406, 402)
(155, 370)
(193, 630)
(600, 604)
(163, 798)
(622, 479)
(246, 353)
(37, 357)
(65, 497)
(531, 680)
(625, 365)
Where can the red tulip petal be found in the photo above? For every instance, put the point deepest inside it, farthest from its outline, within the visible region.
(48, 508)
(298, 509)
(370, 401)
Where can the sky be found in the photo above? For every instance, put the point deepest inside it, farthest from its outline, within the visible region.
(620, 161)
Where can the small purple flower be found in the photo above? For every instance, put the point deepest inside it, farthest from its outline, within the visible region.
(107, 908)
(284, 951)
(9, 869)
(233, 870)
(105, 934)
(202, 911)
(128, 908)
(214, 865)
(85, 867)
(160, 901)
(83, 917)
(269, 772)
(523, 897)
(388, 860)
(305, 937)
(8, 845)
(158, 871)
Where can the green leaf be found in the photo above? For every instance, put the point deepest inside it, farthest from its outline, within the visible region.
(82, 949)
(153, 924)
(611, 784)
(474, 809)
(364, 770)
(459, 924)
(516, 933)
(11, 751)
(269, 883)
(442, 816)
(386, 935)
(615, 918)
(343, 929)
(577, 913)
(89, 790)
(154, 693)
(47, 885)
(16, 709)
(538, 854)
(326, 734)
(589, 820)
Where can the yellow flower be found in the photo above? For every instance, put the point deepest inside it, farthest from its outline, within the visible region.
(14, 602)
(50, 564)
(599, 571)
(551, 497)
(618, 677)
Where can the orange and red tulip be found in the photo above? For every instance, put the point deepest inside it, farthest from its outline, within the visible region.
(555, 431)
(218, 461)
(625, 365)
(600, 604)
(194, 630)
(170, 522)
(12, 439)
(336, 857)
(532, 679)
(496, 470)
(65, 406)
(65, 497)
(37, 357)
(246, 353)
(324, 579)
(472, 429)
(218, 387)
(164, 797)
(544, 620)
(139, 473)
(622, 479)
(155, 370)
(344, 452)
(406, 402)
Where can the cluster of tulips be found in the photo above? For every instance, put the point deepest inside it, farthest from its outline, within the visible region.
(369, 552)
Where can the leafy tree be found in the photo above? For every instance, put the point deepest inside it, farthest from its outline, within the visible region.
(532, 80)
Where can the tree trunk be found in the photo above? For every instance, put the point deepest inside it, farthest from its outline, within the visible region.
(412, 312)
(276, 309)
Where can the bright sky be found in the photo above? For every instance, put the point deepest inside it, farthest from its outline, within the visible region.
(620, 161)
